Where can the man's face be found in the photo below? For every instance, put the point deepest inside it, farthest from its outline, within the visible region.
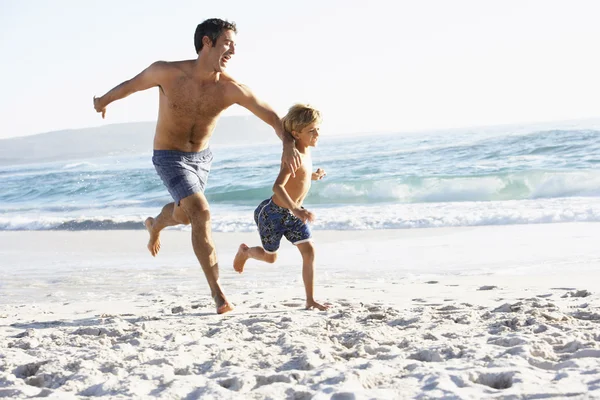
(222, 51)
(309, 136)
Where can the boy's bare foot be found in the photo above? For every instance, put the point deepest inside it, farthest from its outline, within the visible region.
(223, 305)
(224, 308)
(240, 258)
(314, 304)
(154, 242)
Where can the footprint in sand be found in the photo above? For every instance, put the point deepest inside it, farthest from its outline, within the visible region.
(376, 316)
(448, 308)
(495, 380)
(293, 305)
(586, 315)
(265, 306)
(578, 293)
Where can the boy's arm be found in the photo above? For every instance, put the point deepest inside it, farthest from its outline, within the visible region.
(283, 195)
(243, 96)
(319, 174)
(150, 77)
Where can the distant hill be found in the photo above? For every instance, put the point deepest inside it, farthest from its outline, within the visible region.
(115, 139)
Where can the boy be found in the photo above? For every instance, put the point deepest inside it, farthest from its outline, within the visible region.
(283, 214)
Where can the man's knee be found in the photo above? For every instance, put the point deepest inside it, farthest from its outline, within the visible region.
(196, 209)
(271, 257)
(198, 216)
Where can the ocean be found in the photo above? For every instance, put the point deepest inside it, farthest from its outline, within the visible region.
(378, 181)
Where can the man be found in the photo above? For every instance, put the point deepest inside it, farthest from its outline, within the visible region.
(193, 94)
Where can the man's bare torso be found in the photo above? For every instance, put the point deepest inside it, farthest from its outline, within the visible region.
(189, 108)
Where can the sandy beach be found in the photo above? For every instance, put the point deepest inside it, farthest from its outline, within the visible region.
(507, 312)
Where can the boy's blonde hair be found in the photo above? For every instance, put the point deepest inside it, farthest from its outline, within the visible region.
(299, 116)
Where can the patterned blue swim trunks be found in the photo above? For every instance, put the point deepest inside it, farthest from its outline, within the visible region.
(183, 173)
(274, 222)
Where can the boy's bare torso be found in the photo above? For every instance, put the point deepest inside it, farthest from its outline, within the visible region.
(298, 186)
(189, 107)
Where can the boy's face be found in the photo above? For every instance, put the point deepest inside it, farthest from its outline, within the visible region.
(309, 136)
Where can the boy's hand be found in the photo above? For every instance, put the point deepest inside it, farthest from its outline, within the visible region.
(304, 215)
(319, 174)
(98, 107)
(313, 304)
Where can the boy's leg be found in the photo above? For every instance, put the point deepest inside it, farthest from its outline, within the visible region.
(170, 215)
(308, 274)
(257, 253)
(270, 231)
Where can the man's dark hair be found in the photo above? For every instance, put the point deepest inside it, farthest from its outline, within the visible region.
(212, 28)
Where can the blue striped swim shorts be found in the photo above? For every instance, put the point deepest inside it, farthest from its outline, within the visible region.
(183, 173)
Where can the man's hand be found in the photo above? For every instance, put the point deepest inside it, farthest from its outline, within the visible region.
(304, 215)
(319, 174)
(291, 158)
(98, 106)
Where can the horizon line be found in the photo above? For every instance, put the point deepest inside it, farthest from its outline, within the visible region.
(387, 131)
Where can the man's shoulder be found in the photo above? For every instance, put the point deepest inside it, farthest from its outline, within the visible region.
(228, 80)
(182, 65)
(234, 87)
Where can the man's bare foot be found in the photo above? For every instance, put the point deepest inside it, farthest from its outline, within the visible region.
(223, 305)
(240, 258)
(154, 242)
(314, 304)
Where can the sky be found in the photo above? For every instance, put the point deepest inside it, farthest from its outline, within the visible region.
(369, 66)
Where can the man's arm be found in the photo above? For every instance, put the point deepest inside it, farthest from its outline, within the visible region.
(150, 77)
(243, 96)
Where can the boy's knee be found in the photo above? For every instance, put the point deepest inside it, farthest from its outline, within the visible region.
(307, 250)
(271, 258)
(306, 247)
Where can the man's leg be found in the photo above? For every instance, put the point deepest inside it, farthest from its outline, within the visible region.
(198, 212)
(257, 252)
(170, 215)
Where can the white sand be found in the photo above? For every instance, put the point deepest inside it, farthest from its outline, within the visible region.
(492, 312)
